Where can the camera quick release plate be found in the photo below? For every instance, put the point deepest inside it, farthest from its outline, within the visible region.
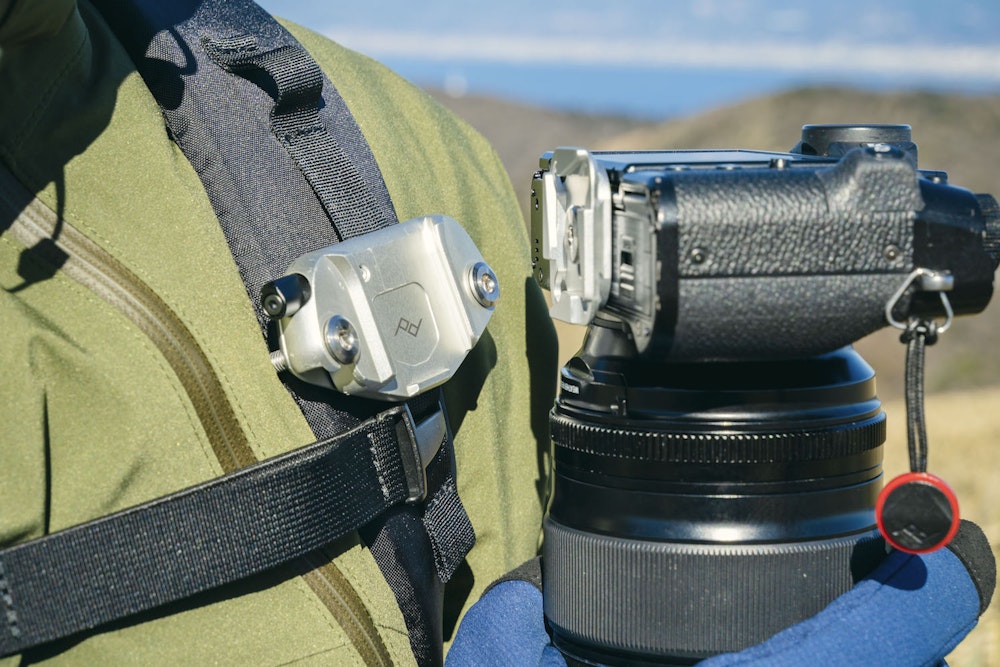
(386, 315)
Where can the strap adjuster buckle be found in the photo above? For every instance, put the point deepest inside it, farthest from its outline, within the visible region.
(419, 443)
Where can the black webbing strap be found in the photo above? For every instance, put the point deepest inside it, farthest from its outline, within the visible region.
(401, 540)
(234, 526)
(295, 122)
(273, 142)
(288, 171)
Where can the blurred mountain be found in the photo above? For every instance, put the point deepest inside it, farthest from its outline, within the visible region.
(955, 133)
(521, 133)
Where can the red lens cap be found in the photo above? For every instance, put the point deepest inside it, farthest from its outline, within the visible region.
(917, 513)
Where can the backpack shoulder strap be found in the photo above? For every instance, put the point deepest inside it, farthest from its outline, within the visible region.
(287, 171)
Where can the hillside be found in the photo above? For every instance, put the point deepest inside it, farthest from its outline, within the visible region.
(521, 133)
(954, 134)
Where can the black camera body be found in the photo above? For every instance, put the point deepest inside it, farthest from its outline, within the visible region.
(718, 443)
(736, 255)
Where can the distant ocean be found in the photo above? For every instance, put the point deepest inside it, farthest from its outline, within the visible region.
(652, 93)
(652, 59)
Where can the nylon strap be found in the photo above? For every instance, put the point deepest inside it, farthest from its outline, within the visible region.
(352, 204)
(232, 527)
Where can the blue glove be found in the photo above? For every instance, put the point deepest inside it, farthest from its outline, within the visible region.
(912, 610)
(507, 626)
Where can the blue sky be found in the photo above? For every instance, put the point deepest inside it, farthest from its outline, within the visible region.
(662, 57)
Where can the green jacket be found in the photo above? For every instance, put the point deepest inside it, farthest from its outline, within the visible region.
(96, 415)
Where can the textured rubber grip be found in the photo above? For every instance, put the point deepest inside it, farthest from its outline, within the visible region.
(633, 597)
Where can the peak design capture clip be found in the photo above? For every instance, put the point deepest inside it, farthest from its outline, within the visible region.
(386, 315)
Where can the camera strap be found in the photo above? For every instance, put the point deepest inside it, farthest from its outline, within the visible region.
(917, 336)
(287, 171)
(917, 512)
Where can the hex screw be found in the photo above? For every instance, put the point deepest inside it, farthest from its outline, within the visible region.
(284, 296)
(484, 284)
(274, 305)
(342, 340)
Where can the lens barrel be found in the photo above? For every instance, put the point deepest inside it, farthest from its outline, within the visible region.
(700, 508)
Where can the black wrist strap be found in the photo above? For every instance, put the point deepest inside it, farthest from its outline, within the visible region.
(917, 336)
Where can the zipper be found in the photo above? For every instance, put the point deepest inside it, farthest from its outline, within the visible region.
(39, 228)
(58, 243)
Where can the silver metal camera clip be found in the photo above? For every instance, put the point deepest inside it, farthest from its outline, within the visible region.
(574, 235)
(386, 315)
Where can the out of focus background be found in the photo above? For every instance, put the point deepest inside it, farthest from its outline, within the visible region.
(654, 74)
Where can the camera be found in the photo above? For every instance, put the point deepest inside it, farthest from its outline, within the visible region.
(717, 440)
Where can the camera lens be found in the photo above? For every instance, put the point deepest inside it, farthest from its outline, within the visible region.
(700, 508)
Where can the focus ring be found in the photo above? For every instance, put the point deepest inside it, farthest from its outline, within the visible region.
(717, 447)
